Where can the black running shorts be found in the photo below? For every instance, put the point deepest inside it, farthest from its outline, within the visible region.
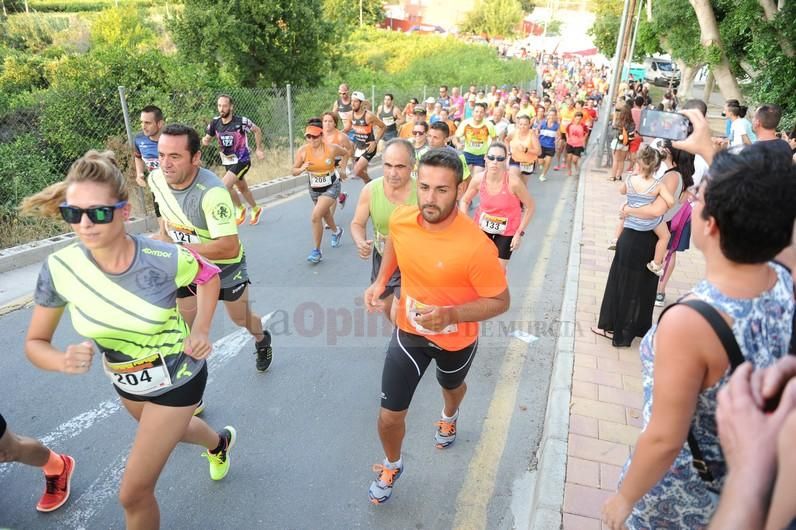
(240, 169)
(366, 155)
(183, 396)
(408, 356)
(572, 150)
(503, 244)
(393, 284)
(226, 294)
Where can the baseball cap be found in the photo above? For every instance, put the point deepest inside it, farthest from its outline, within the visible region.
(358, 95)
(431, 101)
(420, 110)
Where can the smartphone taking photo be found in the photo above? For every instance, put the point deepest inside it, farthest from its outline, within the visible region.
(667, 125)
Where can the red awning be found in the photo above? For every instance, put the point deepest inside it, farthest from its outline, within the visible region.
(589, 51)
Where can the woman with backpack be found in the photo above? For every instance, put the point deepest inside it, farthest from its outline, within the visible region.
(741, 311)
(620, 145)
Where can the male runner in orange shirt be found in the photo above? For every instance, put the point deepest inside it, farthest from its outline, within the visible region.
(445, 293)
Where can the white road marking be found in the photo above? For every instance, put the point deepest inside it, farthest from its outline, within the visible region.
(523, 336)
(78, 512)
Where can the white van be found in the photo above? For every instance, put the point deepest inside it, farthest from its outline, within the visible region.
(661, 71)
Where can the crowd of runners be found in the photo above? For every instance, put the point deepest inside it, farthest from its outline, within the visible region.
(442, 158)
(456, 180)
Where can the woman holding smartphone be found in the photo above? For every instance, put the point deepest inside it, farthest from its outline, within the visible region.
(743, 307)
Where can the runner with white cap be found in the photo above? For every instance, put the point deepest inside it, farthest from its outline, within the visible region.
(365, 140)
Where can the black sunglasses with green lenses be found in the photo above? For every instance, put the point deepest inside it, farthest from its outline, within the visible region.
(97, 214)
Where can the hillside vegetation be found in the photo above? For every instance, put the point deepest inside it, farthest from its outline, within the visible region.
(60, 73)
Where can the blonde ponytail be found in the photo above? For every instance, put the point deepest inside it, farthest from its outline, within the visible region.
(46, 202)
(94, 166)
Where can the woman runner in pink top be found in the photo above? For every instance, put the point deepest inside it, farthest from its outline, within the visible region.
(506, 206)
(576, 142)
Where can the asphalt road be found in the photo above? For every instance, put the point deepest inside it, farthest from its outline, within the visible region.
(307, 427)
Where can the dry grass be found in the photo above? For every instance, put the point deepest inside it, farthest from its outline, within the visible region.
(20, 230)
(275, 165)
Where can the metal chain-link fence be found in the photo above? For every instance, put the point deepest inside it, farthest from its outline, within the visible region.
(41, 138)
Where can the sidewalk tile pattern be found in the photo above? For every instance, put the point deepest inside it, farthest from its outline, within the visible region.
(605, 415)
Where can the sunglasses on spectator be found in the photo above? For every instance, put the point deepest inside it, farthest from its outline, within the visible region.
(418, 133)
(312, 136)
(496, 158)
(99, 215)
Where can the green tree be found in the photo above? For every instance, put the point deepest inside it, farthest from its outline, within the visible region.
(494, 17)
(345, 13)
(606, 25)
(255, 43)
(752, 39)
(122, 27)
(21, 72)
(527, 6)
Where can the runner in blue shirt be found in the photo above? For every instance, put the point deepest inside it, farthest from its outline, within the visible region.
(548, 133)
(145, 151)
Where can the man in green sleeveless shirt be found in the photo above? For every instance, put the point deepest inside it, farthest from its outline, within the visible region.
(377, 201)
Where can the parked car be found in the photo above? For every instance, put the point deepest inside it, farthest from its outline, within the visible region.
(427, 29)
(661, 72)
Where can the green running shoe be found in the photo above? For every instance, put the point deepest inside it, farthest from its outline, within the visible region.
(219, 462)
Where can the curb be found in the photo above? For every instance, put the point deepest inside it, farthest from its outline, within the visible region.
(36, 251)
(551, 456)
(13, 305)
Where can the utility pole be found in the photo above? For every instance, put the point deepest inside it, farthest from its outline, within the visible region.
(614, 80)
(360, 13)
(635, 34)
(626, 40)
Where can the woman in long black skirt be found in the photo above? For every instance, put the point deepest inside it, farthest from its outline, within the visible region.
(629, 298)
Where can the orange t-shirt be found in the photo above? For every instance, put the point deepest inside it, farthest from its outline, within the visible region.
(406, 130)
(446, 268)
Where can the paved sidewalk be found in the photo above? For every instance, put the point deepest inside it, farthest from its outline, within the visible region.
(605, 407)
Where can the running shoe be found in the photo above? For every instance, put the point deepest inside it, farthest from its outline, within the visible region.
(257, 211)
(446, 432)
(264, 352)
(558, 168)
(200, 408)
(612, 245)
(542, 178)
(337, 238)
(315, 256)
(56, 491)
(341, 199)
(241, 215)
(219, 462)
(381, 488)
(660, 298)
